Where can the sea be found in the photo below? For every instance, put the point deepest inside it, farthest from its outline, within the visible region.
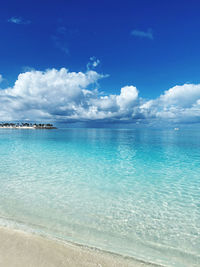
(134, 192)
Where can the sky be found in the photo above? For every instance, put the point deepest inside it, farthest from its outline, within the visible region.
(130, 60)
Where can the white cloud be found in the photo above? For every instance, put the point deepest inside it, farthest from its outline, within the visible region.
(138, 33)
(66, 96)
(93, 63)
(181, 95)
(178, 104)
(63, 95)
(18, 20)
(127, 98)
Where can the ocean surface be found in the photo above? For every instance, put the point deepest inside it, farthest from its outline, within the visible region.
(135, 192)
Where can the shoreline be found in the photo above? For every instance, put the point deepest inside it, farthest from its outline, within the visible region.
(21, 248)
(26, 127)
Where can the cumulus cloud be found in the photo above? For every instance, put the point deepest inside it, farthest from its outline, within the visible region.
(143, 34)
(180, 103)
(183, 96)
(74, 96)
(64, 95)
(18, 20)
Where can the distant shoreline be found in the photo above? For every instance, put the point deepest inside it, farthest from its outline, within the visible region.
(26, 126)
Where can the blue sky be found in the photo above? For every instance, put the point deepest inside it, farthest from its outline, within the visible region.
(152, 45)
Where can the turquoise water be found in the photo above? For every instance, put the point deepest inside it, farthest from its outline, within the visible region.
(134, 192)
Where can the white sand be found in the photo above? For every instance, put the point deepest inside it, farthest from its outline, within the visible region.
(20, 249)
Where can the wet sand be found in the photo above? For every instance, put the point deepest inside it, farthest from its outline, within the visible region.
(21, 249)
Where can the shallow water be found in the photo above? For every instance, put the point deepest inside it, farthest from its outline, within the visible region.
(134, 192)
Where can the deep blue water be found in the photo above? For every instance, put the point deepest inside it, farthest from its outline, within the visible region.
(134, 192)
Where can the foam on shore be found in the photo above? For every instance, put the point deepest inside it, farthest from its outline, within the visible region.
(21, 249)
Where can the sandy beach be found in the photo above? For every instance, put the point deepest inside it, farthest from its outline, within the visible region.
(21, 249)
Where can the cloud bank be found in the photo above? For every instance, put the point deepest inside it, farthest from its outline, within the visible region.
(74, 96)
